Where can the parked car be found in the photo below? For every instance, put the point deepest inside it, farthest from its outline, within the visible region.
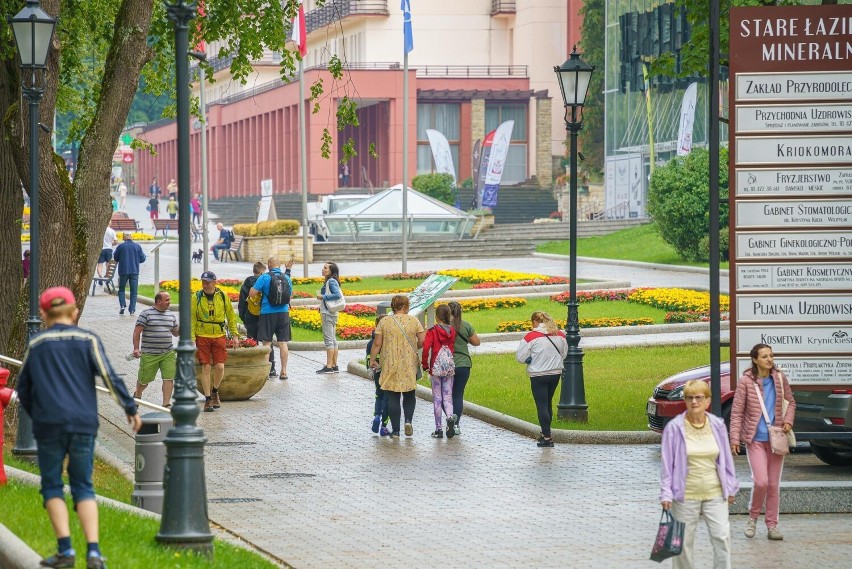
(816, 411)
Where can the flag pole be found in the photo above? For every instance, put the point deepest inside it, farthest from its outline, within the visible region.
(303, 158)
(405, 163)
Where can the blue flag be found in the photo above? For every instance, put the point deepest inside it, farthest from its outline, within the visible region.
(408, 37)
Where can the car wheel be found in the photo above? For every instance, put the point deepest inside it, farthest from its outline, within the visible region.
(832, 456)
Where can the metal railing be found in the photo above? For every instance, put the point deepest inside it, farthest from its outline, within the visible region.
(472, 71)
(340, 9)
(502, 7)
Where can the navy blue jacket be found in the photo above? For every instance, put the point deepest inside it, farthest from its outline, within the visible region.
(56, 385)
(128, 255)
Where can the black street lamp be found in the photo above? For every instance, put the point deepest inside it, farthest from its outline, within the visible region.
(184, 523)
(574, 76)
(33, 29)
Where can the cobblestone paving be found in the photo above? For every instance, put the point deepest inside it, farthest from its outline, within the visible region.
(317, 489)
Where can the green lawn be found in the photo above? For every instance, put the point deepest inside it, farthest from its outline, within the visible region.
(641, 243)
(618, 382)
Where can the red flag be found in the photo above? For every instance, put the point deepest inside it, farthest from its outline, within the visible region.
(300, 33)
(201, 46)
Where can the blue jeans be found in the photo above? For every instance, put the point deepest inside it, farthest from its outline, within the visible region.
(80, 450)
(219, 247)
(134, 287)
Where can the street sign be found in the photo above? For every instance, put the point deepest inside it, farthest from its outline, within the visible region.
(785, 276)
(794, 213)
(811, 182)
(793, 308)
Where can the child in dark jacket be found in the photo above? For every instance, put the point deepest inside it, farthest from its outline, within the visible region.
(441, 335)
(57, 389)
(380, 407)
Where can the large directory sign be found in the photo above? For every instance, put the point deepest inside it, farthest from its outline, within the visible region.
(791, 194)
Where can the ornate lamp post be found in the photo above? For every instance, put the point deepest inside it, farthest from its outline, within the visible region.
(184, 522)
(33, 29)
(574, 76)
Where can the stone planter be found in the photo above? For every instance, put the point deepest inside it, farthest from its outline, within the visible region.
(282, 246)
(246, 372)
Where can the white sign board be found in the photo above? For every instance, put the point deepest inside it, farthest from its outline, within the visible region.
(794, 213)
(782, 276)
(797, 308)
(809, 182)
(797, 339)
(811, 244)
(813, 371)
(794, 150)
(794, 118)
(266, 208)
(799, 86)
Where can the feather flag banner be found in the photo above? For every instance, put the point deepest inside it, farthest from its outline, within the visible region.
(300, 34)
(408, 37)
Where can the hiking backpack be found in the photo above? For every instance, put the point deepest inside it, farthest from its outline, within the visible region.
(279, 290)
(444, 365)
(253, 304)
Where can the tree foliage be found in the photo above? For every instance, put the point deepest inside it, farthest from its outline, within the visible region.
(679, 201)
(591, 138)
(438, 186)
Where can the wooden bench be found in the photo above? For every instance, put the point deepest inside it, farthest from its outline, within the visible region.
(165, 225)
(106, 280)
(234, 252)
(119, 215)
(124, 224)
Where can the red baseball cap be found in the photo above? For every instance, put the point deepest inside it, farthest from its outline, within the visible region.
(56, 296)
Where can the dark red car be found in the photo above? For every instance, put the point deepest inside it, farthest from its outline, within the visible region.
(667, 401)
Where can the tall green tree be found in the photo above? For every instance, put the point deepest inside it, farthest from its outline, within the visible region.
(591, 139)
(100, 50)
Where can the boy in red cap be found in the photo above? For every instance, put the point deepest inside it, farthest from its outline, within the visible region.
(57, 390)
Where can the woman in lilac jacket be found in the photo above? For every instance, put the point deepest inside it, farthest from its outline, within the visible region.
(697, 476)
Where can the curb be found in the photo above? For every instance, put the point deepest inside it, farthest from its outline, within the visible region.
(530, 430)
(14, 553)
(637, 264)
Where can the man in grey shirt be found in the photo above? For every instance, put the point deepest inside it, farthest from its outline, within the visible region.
(152, 344)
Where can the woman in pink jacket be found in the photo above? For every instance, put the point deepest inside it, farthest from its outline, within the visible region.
(749, 426)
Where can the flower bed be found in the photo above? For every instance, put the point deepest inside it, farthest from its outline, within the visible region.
(229, 286)
(677, 299)
(530, 282)
(474, 276)
(475, 304)
(321, 280)
(524, 325)
(406, 276)
(592, 295)
(360, 310)
(240, 343)
(690, 316)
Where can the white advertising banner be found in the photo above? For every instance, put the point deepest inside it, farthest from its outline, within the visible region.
(799, 86)
(687, 119)
(810, 244)
(784, 276)
(794, 118)
(797, 308)
(811, 371)
(797, 339)
(441, 153)
(794, 213)
(794, 150)
(811, 182)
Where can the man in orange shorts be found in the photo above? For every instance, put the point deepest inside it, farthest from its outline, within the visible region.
(211, 314)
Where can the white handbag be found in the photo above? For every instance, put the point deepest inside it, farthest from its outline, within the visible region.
(335, 306)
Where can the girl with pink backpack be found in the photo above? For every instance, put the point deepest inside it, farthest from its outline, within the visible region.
(437, 359)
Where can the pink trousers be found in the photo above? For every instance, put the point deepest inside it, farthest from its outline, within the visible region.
(766, 474)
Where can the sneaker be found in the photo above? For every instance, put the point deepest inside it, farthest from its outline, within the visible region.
(214, 398)
(751, 527)
(456, 429)
(377, 421)
(95, 562)
(384, 432)
(120, 312)
(544, 443)
(335, 369)
(775, 534)
(59, 560)
(451, 426)
(325, 369)
(409, 430)
(439, 434)
(394, 435)
(208, 405)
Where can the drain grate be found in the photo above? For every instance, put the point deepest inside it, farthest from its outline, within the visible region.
(230, 443)
(281, 475)
(233, 500)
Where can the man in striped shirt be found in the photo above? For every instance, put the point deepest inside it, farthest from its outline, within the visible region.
(152, 344)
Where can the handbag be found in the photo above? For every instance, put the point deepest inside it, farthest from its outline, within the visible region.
(419, 373)
(335, 306)
(777, 436)
(669, 541)
(791, 436)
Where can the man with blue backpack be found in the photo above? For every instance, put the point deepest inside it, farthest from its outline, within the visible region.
(276, 288)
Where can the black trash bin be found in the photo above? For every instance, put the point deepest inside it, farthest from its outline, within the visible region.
(151, 462)
(383, 307)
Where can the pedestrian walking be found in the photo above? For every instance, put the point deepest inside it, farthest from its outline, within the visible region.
(195, 206)
(129, 256)
(212, 316)
(398, 337)
(110, 241)
(172, 188)
(248, 309)
(25, 263)
(276, 288)
(437, 359)
(543, 350)
(329, 292)
(465, 335)
(154, 188)
(152, 344)
(380, 402)
(122, 195)
(697, 476)
(153, 208)
(56, 387)
(763, 390)
(172, 208)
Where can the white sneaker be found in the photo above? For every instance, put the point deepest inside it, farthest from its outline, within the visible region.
(409, 430)
(751, 527)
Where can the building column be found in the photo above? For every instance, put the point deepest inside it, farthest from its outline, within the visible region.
(477, 119)
(543, 154)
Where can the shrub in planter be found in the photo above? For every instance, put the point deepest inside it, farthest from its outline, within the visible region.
(245, 229)
(278, 227)
(438, 186)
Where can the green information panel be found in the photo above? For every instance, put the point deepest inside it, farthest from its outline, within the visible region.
(428, 292)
